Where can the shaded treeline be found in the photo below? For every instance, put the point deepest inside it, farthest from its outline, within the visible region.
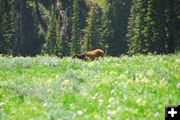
(65, 27)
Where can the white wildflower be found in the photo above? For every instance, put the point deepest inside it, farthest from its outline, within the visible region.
(100, 101)
(125, 86)
(45, 104)
(139, 100)
(156, 114)
(79, 112)
(111, 100)
(2, 104)
(111, 112)
(178, 85)
(57, 76)
(118, 109)
(84, 94)
(125, 97)
(72, 106)
(94, 97)
(109, 106)
(112, 91)
(108, 118)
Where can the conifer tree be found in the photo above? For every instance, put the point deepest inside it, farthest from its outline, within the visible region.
(1, 25)
(50, 44)
(7, 29)
(75, 33)
(176, 25)
(92, 37)
(106, 30)
(58, 48)
(65, 49)
(132, 44)
(172, 25)
(146, 30)
(158, 29)
(119, 12)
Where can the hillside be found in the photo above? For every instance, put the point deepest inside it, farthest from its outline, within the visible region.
(65, 27)
(42, 87)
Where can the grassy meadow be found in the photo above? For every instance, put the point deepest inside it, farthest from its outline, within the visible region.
(110, 88)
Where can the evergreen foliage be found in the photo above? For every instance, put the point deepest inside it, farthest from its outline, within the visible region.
(106, 29)
(92, 32)
(76, 31)
(148, 29)
(7, 26)
(172, 24)
(52, 45)
(119, 12)
(65, 27)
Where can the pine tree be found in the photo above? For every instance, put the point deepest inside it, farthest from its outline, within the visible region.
(106, 29)
(25, 29)
(53, 43)
(1, 25)
(176, 25)
(119, 12)
(65, 50)
(75, 33)
(58, 49)
(172, 25)
(146, 30)
(158, 29)
(50, 43)
(132, 44)
(65, 7)
(7, 29)
(92, 37)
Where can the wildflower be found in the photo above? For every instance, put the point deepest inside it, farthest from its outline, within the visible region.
(139, 100)
(45, 104)
(109, 106)
(2, 104)
(100, 101)
(84, 94)
(111, 100)
(79, 112)
(156, 114)
(94, 97)
(111, 112)
(112, 91)
(108, 118)
(57, 76)
(118, 109)
(178, 85)
(125, 97)
(108, 112)
(72, 106)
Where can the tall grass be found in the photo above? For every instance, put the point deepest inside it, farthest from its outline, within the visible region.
(43, 87)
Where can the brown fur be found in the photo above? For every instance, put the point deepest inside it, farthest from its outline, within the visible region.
(91, 55)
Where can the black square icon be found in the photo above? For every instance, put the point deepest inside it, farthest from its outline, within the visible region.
(172, 113)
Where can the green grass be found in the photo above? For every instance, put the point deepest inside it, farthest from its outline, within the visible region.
(132, 88)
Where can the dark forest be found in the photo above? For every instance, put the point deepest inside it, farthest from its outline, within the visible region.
(65, 27)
